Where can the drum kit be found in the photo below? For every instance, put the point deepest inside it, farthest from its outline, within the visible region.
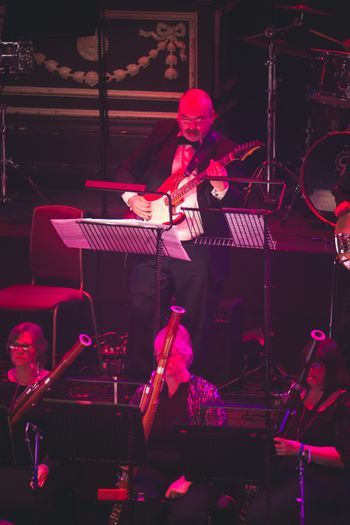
(327, 140)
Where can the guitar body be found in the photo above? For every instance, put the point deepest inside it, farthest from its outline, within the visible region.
(168, 186)
(160, 204)
(178, 186)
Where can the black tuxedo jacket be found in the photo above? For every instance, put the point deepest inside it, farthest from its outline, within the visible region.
(151, 164)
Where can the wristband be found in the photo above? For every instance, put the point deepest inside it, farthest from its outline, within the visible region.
(300, 451)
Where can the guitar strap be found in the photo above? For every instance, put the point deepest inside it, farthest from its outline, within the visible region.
(202, 152)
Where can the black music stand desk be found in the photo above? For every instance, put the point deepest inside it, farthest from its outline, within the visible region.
(227, 454)
(93, 431)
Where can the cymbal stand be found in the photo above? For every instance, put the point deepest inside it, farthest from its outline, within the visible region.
(4, 196)
(270, 165)
(3, 190)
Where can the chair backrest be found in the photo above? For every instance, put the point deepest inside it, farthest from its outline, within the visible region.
(52, 262)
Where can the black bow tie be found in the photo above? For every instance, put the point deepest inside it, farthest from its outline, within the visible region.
(181, 140)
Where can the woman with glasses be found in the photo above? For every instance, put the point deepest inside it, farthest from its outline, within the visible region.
(20, 500)
(27, 347)
(318, 432)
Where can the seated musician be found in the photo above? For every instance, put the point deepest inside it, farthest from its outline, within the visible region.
(27, 347)
(181, 402)
(319, 432)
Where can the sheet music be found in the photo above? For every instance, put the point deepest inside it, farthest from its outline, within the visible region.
(247, 230)
(119, 235)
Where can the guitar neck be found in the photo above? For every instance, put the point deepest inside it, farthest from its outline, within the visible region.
(179, 193)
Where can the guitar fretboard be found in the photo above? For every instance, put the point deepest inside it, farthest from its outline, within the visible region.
(236, 154)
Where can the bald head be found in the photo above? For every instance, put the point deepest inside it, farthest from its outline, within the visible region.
(195, 100)
(195, 114)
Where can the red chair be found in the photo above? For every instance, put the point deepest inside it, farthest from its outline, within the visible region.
(57, 273)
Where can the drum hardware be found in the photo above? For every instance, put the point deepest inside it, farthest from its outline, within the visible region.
(282, 46)
(16, 58)
(330, 78)
(267, 170)
(113, 351)
(302, 9)
(345, 44)
(320, 170)
(322, 120)
(4, 193)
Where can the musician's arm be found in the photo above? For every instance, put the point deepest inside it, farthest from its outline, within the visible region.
(342, 207)
(233, 197)
(178, 488)
(327, 456)
(139, 205)
(43, 472)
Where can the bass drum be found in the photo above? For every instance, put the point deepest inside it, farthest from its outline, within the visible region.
(321, 168)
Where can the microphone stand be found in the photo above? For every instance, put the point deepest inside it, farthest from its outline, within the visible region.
(3, 193)
(35, 457)
(301, 499)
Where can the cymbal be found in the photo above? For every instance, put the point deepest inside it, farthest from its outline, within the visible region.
(344, 44)
(302, 8)
(281, 46)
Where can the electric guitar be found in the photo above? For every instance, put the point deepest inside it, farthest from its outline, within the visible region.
(177, 186)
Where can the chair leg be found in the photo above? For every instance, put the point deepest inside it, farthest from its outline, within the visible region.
(94, 325)
(54, 338)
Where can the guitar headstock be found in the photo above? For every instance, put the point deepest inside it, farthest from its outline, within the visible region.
(244, 150)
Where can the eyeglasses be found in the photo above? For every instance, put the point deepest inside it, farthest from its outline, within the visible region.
(196, 120)
(25, 347)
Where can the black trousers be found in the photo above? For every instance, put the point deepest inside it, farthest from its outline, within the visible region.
(187, 284)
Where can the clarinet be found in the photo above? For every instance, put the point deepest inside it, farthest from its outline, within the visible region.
(149, 403)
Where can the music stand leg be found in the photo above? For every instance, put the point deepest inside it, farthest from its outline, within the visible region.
(157, 281)
(267, 320)
(333, 290)
(301, 499)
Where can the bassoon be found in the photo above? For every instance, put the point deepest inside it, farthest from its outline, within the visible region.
(34, 392)
(148, 404)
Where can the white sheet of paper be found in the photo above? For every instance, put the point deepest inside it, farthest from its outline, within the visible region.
(73, 236)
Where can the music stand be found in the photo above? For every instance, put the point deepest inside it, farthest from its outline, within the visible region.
(125, 236)
(227, 454)
(245, 228)
(244, 456)
(93, 431)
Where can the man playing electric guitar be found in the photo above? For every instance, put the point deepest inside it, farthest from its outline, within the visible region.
(183, 146)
